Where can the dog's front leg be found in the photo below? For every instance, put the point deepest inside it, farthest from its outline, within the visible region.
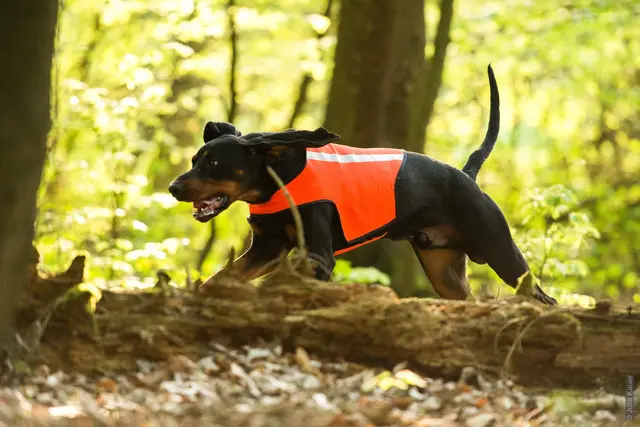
(317, 233)
(324, 265)
(260, 259)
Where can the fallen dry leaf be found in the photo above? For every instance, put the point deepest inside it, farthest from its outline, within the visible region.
(107, 384)
(180, 363)
(303, 360)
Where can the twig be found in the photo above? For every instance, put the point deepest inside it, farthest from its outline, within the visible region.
(503, 328)
(294, 209)
(507, 360)
(558, 312)
(523, 329)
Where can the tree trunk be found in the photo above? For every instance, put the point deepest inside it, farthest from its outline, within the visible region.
(382, 95)
(27, 31)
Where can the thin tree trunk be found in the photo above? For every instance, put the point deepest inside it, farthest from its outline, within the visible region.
(432, 78)
(355, 108)
(27, 33)
(232, 112)
(307, 77)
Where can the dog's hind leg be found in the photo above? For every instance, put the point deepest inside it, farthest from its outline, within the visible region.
(446, 269)
(486, 235)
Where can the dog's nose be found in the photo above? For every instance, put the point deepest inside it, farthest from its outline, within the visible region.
(175, 188)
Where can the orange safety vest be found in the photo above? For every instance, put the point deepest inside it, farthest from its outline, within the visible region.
(359, 182)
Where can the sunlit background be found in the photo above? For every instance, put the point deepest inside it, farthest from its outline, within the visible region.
(135, 81)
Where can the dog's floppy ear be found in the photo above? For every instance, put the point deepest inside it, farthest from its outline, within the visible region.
(277, 142)
(213, 130)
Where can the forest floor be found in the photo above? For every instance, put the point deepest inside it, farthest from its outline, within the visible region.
(259, 386)
(295, 353)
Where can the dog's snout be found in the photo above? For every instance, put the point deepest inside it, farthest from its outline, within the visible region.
(175, 188)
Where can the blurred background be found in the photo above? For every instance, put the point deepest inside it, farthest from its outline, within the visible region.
(135, 81)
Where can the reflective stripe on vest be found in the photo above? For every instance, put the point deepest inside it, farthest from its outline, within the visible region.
(360, 183)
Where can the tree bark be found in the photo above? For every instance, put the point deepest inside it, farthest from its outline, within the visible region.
(382, 95)
(27, 31)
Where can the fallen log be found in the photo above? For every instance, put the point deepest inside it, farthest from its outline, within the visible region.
(516, 338)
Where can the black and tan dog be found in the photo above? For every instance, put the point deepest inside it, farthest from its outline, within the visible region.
(348, 197)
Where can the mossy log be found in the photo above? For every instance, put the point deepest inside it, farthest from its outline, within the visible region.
(516, 338)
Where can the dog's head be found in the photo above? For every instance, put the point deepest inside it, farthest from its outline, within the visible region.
(230, 166)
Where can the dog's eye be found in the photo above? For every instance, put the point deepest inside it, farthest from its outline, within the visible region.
(213, 162)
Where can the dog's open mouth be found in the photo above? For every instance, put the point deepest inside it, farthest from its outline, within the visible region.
(205, 209)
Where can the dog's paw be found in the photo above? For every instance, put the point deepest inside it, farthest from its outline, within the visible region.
(544, 298)
(528, 287)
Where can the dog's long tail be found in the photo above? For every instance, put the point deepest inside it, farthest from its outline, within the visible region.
(478, 157)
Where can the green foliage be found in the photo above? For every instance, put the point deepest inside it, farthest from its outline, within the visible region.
(555, 233)
(561, 71)
(134, 86)
(134, 83)
(572, 299)
(344, 272)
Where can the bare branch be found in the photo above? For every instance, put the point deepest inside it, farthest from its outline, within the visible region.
(233, 67)
(307, 78)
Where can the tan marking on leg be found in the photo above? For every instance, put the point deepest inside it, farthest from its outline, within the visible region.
(446, 270)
